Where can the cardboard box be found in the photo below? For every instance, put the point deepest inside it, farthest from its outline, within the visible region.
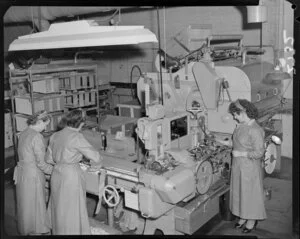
(46, 85)
(130, 109)
(24, 106)
(21, 122)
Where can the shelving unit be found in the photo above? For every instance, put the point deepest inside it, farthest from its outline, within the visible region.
(54, 88)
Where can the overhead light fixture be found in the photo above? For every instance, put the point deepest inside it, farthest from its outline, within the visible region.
(257, 14)
(83, 33)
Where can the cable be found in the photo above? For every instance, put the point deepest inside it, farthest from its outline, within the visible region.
(109, 18)
(135, 66)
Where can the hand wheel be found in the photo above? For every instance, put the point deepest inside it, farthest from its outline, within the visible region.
(111, 195)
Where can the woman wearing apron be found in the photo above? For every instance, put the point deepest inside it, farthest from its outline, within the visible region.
(67, 206)
(29, 176)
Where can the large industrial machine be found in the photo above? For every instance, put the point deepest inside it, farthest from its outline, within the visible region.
(176, 185)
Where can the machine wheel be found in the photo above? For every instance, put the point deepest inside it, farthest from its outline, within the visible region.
(111, 195)
(204, 177)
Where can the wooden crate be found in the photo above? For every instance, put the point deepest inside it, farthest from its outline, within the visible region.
(76, 81)
(50, 104)
(130, 109)
(81, 99)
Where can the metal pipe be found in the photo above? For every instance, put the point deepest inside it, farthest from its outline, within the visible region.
(110, 215)
(160, 67)
(46, 14)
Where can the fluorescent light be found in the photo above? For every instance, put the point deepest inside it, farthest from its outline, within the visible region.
(84, 33)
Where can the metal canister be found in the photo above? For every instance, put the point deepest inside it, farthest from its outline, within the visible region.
(103, 141)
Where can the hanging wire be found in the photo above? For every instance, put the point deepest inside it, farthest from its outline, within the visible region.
(109, 18)
(134, 95)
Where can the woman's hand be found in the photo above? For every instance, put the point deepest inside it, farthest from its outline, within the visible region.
(95, 166)
(226, 142)
(236, 153)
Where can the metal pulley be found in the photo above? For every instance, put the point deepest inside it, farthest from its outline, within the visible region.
(204, 176)
(270, 158)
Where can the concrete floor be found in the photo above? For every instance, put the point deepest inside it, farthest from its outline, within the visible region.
(277, 225)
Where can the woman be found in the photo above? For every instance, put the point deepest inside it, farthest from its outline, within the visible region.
(246, 187)
(67, 204)
(30, 178)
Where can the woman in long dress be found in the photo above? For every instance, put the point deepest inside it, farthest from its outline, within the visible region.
(67, 206)
(247, 195)
(29, 176)
(246, 186)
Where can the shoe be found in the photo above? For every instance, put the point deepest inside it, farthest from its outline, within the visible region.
(247, 230)
(238, 226)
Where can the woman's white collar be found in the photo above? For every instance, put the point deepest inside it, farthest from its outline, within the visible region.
(75, 129)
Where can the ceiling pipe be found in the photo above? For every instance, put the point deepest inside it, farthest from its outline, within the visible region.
(41, 16)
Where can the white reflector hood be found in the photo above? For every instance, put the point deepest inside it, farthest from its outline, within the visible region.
(83, 33)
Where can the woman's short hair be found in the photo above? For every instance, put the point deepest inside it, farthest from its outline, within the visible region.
(243, 105)
(40, 115)
(74, 118)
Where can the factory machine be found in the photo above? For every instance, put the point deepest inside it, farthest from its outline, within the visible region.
(176, 186)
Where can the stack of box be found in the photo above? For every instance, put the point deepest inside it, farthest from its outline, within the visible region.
(48, 84)
(55, 89)
(21, 121)
(76, 81)
(81, 98)
(52, 103)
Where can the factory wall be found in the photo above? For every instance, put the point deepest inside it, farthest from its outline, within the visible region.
(223, 20)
